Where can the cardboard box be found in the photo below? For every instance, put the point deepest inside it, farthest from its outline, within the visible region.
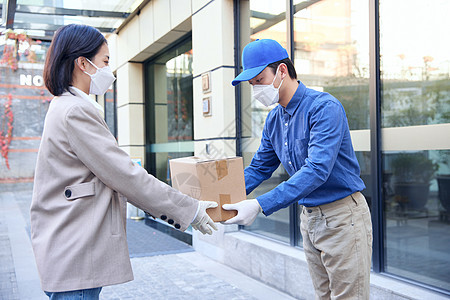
(220, 180)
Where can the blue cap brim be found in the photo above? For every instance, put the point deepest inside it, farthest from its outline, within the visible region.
(248, 74)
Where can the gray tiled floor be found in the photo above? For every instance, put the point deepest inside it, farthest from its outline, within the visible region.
(163, 267)
(17, 256)
(8, 282)
(172, 277)
(144, 241)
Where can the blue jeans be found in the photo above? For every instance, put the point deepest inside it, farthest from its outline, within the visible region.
(88, 294)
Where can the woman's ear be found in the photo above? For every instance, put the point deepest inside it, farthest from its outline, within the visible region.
(81, 63)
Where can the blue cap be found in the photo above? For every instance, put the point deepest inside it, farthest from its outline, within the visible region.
(257, 56)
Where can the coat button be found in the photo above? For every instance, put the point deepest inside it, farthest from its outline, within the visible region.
(177, 226)
(163, 217)
(68, 193)
(170, 221)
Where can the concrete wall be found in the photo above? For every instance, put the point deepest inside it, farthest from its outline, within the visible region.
(212, 39)
(285, 268)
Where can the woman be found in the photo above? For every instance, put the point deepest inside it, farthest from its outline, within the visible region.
(77, 211)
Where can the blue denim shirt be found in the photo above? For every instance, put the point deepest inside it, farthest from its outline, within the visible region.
(311, 138)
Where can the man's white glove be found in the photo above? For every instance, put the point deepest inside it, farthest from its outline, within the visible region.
(248, 210)
(202, 220)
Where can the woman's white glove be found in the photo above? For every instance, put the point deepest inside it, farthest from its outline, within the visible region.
(202, 220)
(248, 210)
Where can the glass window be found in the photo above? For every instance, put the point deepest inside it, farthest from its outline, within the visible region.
(24, 102)
(110, 109)
(262, 20)
(415, 117)
(331, 54)
(169, 122)
(16, 46)
(43, 17)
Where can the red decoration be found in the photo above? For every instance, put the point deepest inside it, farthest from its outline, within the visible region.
(9, 57)
(11, 48)
(6, 130)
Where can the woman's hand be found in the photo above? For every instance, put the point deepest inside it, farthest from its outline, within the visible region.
(202, 220)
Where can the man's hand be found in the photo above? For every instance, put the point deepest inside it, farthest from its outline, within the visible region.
(202, 220)
(248, 210)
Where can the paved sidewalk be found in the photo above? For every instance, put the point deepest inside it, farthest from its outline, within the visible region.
(164, 268)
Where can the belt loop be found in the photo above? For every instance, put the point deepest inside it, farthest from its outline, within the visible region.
(303, 210)
(320, 209)
(354, 199)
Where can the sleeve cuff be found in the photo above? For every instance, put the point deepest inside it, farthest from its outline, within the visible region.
(264, 207)
(196, 213)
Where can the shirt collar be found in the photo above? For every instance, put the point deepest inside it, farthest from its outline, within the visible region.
(86, 97)
(296, 99)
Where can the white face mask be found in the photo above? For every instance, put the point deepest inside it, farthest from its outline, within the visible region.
(100, 80)
(267, 94)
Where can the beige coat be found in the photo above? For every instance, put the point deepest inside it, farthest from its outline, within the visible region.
(77, 212)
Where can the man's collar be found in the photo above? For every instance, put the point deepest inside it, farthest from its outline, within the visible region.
(296, 99)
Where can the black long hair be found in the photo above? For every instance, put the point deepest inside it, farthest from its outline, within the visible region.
(69, 43)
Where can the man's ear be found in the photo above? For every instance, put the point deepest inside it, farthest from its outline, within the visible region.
(284, 70)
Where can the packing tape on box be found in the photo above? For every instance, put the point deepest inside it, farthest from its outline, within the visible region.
(225, 199)
(221, 169)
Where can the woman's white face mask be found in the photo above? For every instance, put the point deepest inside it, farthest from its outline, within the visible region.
(267, 94)
(101, 80)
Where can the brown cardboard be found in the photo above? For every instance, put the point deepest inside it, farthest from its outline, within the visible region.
(219, 180)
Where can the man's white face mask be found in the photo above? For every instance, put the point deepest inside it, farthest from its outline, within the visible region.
(101, 80)
(267, 94)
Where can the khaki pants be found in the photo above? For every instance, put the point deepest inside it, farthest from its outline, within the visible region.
(337, 240)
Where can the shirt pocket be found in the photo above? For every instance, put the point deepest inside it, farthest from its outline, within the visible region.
(78, 191)
(301, 149)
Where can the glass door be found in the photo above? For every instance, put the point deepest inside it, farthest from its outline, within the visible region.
(169, 121)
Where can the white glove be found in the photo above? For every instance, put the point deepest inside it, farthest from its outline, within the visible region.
(202, 220)
(248, 210)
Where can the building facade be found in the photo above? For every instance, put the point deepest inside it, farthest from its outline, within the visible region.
(175, 60)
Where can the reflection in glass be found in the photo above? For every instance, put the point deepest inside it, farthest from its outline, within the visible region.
(262, 19)
(39, 24)
(407, 103)
(169, 128)
(110, 112)
(417, 211)
(363, 158)
(112, 5)
(416, 103)
(332, 55)
(17, 47)
(276, 226)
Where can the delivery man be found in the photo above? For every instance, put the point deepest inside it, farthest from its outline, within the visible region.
(308, 134)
